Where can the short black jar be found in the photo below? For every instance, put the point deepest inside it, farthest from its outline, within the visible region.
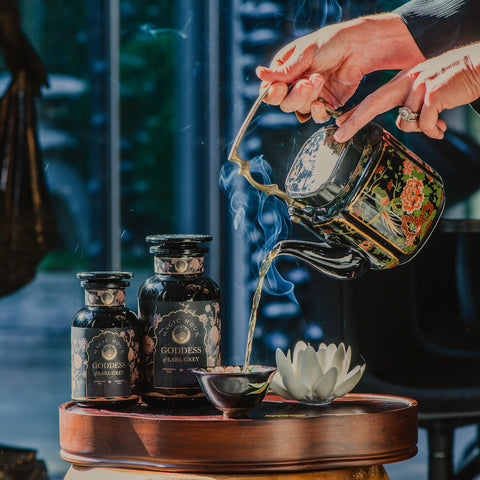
(106, 342)
(180, 310)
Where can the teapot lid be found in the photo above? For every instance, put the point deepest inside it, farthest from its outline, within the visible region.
(323, 166)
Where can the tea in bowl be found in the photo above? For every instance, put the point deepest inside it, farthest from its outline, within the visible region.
(235, 391)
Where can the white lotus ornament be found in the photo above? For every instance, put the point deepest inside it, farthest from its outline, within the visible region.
(315, 377)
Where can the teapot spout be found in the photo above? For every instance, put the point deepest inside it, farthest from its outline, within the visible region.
(333, 260)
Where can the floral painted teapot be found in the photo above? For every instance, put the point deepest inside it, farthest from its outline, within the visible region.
(371, 202)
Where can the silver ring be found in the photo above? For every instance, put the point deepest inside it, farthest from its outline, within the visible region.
(406, 114)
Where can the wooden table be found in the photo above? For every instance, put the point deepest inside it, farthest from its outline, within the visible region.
(347, 440)
(375, 472)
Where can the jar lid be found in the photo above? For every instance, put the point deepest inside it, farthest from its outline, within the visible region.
(177, 238)
(105, 279)
(188, 243)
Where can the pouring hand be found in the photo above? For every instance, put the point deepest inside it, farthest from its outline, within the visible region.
(331, 62)
(438, 84)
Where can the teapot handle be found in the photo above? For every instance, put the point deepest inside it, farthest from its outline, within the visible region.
(336, 261)
(270, 189)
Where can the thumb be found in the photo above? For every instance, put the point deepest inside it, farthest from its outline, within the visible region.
(296, 63)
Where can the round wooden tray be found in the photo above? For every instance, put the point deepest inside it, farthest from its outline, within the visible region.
(355, 430)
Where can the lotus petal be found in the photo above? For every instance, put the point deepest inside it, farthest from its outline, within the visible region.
(310, 371)
(300, 346)
(322, 356)
(278, 387)
(326, 354)
(277, 380)
(283, 365)
(325, 386)
(349, 382)
(337, 360)
(343, 369)
(295, 386)
(346, 363)
(297, 366)
(289, 356)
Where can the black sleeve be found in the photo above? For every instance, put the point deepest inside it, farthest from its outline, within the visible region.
(439, 25)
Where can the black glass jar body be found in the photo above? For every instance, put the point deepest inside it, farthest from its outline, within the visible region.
(106, 342)
(180, 310)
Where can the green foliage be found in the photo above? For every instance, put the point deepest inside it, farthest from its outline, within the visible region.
(147, 65)
(61, 31)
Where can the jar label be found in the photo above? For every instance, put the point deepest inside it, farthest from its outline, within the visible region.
(179, 265)
(108, 297)
(178, 338)
(105, 363)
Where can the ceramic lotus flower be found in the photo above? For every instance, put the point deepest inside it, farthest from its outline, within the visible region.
(315, 377)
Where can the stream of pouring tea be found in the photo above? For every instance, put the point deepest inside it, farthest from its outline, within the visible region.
(265, 266)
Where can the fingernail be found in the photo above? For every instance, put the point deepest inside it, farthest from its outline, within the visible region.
(318, 112)
(260, 70)
(316, 79)
(305, 87)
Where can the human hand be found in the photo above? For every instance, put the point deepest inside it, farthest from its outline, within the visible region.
(438, 84)
(330, 63)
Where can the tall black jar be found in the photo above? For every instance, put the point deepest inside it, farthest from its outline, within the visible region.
(180, 309)
(106, 342)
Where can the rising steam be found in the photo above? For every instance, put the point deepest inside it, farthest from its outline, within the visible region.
(260, 218)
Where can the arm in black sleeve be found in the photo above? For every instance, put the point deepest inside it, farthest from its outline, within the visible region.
(439, 25)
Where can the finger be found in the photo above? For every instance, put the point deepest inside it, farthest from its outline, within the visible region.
(413, 102)
(385, 98)
(430, 124)
(298, 61)
(428, 121)
(297, 97)
(344, 117)
(317, 82)
(277, 93)
(374, 104)
(442, 125)
(283, 56)
(319, 113)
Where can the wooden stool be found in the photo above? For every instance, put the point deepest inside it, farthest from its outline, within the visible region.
(376, 472)
(347, 440)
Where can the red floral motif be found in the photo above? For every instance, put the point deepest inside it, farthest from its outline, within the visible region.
(389, 185)
(412, 226)
(427, 210)
(366, 245)
(379, 169)
(408, 167)
(412, 195)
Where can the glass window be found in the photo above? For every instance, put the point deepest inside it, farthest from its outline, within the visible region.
(90, 160)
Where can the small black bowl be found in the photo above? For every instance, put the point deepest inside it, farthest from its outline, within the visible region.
(235, 393)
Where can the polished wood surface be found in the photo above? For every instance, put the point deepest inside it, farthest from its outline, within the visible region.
(375, 472)
(356, 430)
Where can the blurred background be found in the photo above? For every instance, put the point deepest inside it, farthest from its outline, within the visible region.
(144, 100)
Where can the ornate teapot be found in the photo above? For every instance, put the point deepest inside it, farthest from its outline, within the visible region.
(371, 202)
